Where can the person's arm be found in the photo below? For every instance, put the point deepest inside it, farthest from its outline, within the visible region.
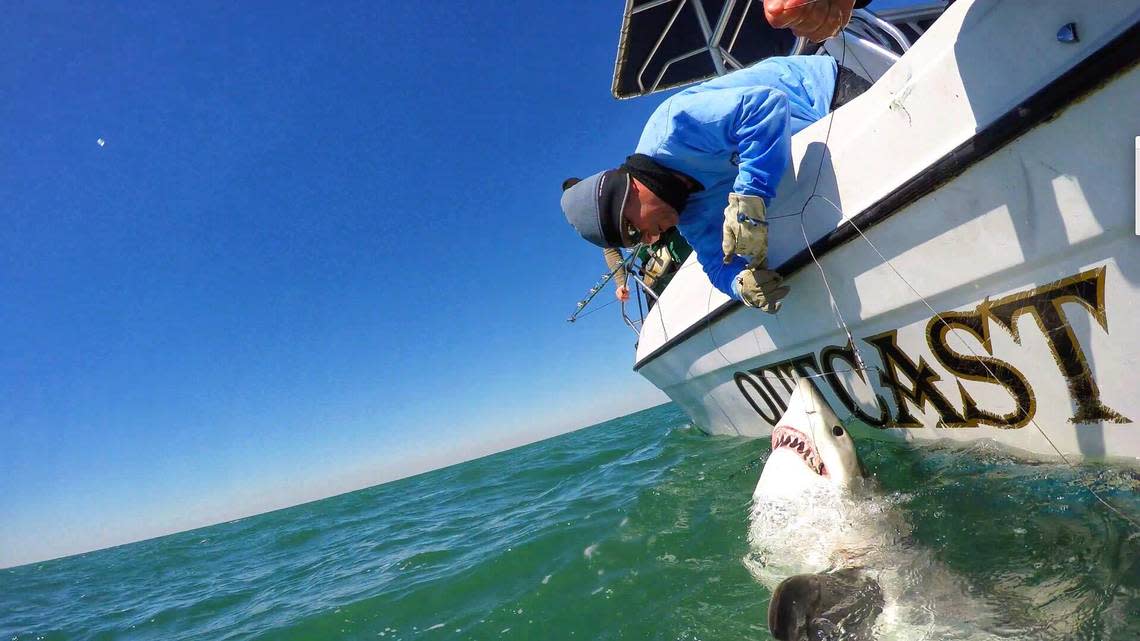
(762, 135)
(751, 121)
(702, 229)
(754, 123)
(614, 261)
(816, 20)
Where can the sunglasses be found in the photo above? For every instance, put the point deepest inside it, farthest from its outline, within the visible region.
(630, 235)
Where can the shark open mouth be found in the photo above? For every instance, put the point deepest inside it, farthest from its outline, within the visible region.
(793, 439)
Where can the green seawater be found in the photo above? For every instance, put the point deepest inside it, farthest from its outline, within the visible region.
(632, 529)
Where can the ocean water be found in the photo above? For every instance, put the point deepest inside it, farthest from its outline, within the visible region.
(633, 529)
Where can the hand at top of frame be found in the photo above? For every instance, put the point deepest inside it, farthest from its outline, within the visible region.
(816, 20)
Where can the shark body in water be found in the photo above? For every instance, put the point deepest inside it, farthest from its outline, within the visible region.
(812, 469)
(837, 555)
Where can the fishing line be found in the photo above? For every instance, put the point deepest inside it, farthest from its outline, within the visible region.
(803, 229)
(982, 362)
(626, 264)
(842, 323)
(598, 308)
(850, 338)
(795, 375)
(708, 328)
(815, 186)
(661, 313)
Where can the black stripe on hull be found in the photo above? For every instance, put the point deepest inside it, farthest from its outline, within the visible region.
(1112, 59)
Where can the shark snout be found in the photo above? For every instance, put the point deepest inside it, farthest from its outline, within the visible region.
(801, 444)
(809, 446)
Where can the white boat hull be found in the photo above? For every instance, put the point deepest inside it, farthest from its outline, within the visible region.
(1000, 302)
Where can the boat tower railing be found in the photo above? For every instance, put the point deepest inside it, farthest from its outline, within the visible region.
(894, 30)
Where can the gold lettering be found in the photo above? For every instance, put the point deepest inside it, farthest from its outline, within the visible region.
(922, 377)
(980, 368)
(1044, 305)
(826, 357)
(747, 379)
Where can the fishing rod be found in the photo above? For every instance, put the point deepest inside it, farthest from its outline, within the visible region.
(626, 264)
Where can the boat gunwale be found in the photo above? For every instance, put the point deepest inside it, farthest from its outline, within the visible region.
(1122, 52)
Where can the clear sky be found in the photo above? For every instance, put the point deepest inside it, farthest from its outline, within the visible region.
(318, 248)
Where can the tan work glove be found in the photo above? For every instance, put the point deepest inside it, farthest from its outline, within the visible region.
(760, 288)
(745, 230)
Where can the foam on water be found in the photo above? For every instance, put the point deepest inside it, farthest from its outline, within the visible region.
(825, 529)
(496, 549)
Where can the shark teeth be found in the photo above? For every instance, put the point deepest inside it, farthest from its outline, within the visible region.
(793, 439)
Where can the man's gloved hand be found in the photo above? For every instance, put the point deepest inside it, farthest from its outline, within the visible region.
(761, 288)
(745, 230)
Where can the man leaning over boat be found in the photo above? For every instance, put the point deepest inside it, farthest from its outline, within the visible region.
(711, 156)
(659, 260)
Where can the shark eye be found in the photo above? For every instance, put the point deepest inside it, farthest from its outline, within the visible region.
(836, 430)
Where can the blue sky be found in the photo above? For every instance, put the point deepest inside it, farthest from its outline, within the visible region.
(319, 248)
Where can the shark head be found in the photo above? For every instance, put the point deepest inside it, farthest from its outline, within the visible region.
(842, 604)
(810, 448)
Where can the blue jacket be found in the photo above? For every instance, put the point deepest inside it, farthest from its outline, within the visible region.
(733, 133)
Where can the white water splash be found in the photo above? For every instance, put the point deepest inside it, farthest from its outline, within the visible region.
(825, 529)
